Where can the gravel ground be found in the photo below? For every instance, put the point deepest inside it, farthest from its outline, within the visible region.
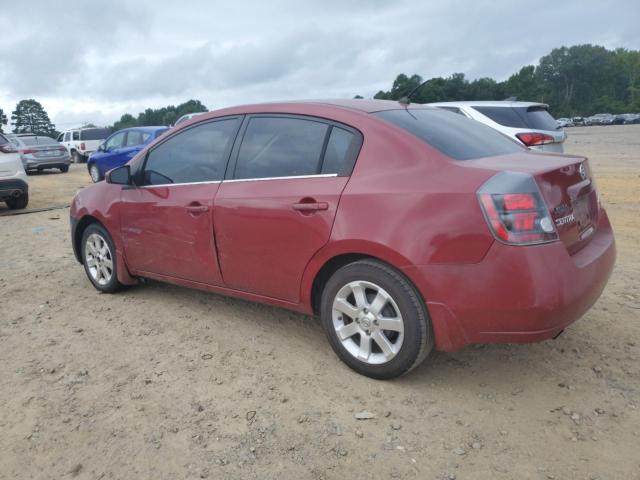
(164, 382)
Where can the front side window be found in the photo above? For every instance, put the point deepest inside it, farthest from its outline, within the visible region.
(198, 154)
(67, 136)
(115, 142)
(280, 147)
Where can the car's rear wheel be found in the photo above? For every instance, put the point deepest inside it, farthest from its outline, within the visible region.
(18, 203)
(94, 172)
(76, 157)
(375, 320)
(99, 258)
(64, 168)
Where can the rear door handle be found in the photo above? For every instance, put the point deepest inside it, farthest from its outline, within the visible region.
(197, 208)
(310, 207)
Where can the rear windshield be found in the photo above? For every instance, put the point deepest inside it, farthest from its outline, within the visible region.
(454, 135)
(94, 134)
(37, 140)
(537, 118)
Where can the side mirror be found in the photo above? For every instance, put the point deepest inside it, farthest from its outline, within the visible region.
(119, 176)
(101, 147)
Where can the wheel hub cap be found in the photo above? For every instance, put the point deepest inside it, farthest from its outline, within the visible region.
(98, 259)
(368, 322)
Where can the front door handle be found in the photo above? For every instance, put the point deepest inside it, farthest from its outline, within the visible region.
(310, 207)
(197, 208)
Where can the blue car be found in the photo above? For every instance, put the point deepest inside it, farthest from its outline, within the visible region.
(119, 148)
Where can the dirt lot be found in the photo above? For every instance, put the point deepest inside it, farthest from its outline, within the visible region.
(164, 382)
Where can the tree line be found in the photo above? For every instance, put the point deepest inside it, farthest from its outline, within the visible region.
(578, 80)
(31, 117)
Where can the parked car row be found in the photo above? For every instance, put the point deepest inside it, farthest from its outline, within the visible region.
(405, 228)
(600, 119)
(82, 142)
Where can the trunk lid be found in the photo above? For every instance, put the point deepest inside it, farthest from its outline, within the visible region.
(567, 187)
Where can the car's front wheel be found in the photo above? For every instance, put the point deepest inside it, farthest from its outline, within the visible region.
(375, 319)
(99, 258)
(94, 172)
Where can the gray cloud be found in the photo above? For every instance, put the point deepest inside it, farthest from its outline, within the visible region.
(93, 61)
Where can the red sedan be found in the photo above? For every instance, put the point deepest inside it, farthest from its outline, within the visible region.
(405, 228)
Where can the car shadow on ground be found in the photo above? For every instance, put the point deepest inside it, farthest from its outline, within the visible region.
(496, 366)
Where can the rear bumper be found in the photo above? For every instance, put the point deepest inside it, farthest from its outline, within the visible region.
(33, 163)
(12, 187)
(516, 294)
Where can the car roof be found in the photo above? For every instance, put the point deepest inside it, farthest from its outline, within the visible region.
(490, 103)
(145, 128)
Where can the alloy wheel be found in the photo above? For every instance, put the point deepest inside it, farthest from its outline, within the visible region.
(95, 174)
(368, 322)
(99, 259)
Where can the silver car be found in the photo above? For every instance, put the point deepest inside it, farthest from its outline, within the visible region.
(39, 152)
(529, 123)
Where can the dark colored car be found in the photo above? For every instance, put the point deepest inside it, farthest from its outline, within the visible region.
(404, 228)
(119, 148)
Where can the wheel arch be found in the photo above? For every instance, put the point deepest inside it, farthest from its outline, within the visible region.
(333, 257)
(82, 225)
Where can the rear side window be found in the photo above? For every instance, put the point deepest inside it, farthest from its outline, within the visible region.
(93, 134)
(136, 137)
(3, 140)
(537, 118)
(76, 135)
(454, 135)
(198, 154)
(280, 147)
(340, 152)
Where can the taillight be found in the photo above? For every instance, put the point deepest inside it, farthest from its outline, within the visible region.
(82, 147)
(8, 148)
(28, 151)
(532, 138)
(515, 210)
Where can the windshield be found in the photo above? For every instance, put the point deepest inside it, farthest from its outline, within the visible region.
(456, 136)
(94, 134)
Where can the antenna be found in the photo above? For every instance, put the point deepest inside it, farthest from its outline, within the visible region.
(406, 100)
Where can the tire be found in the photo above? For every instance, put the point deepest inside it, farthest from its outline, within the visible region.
(64, 169)
(387, 298)
(99, 258)
(18, 203)
(94, 173)
(76, 157)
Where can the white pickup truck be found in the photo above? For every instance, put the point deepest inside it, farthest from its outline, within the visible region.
(81, 142)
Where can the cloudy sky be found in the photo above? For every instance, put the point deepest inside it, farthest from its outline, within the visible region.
(92, 61)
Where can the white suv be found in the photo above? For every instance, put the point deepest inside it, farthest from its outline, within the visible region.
(14, 187)
(82, 142)
(527, 122)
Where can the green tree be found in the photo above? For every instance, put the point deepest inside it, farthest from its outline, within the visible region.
(30, 117)
(3, 119)
(159, 116)
(524, 85)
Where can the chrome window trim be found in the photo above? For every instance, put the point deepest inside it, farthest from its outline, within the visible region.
(235, 180)
(185, 183)
(292, 177)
